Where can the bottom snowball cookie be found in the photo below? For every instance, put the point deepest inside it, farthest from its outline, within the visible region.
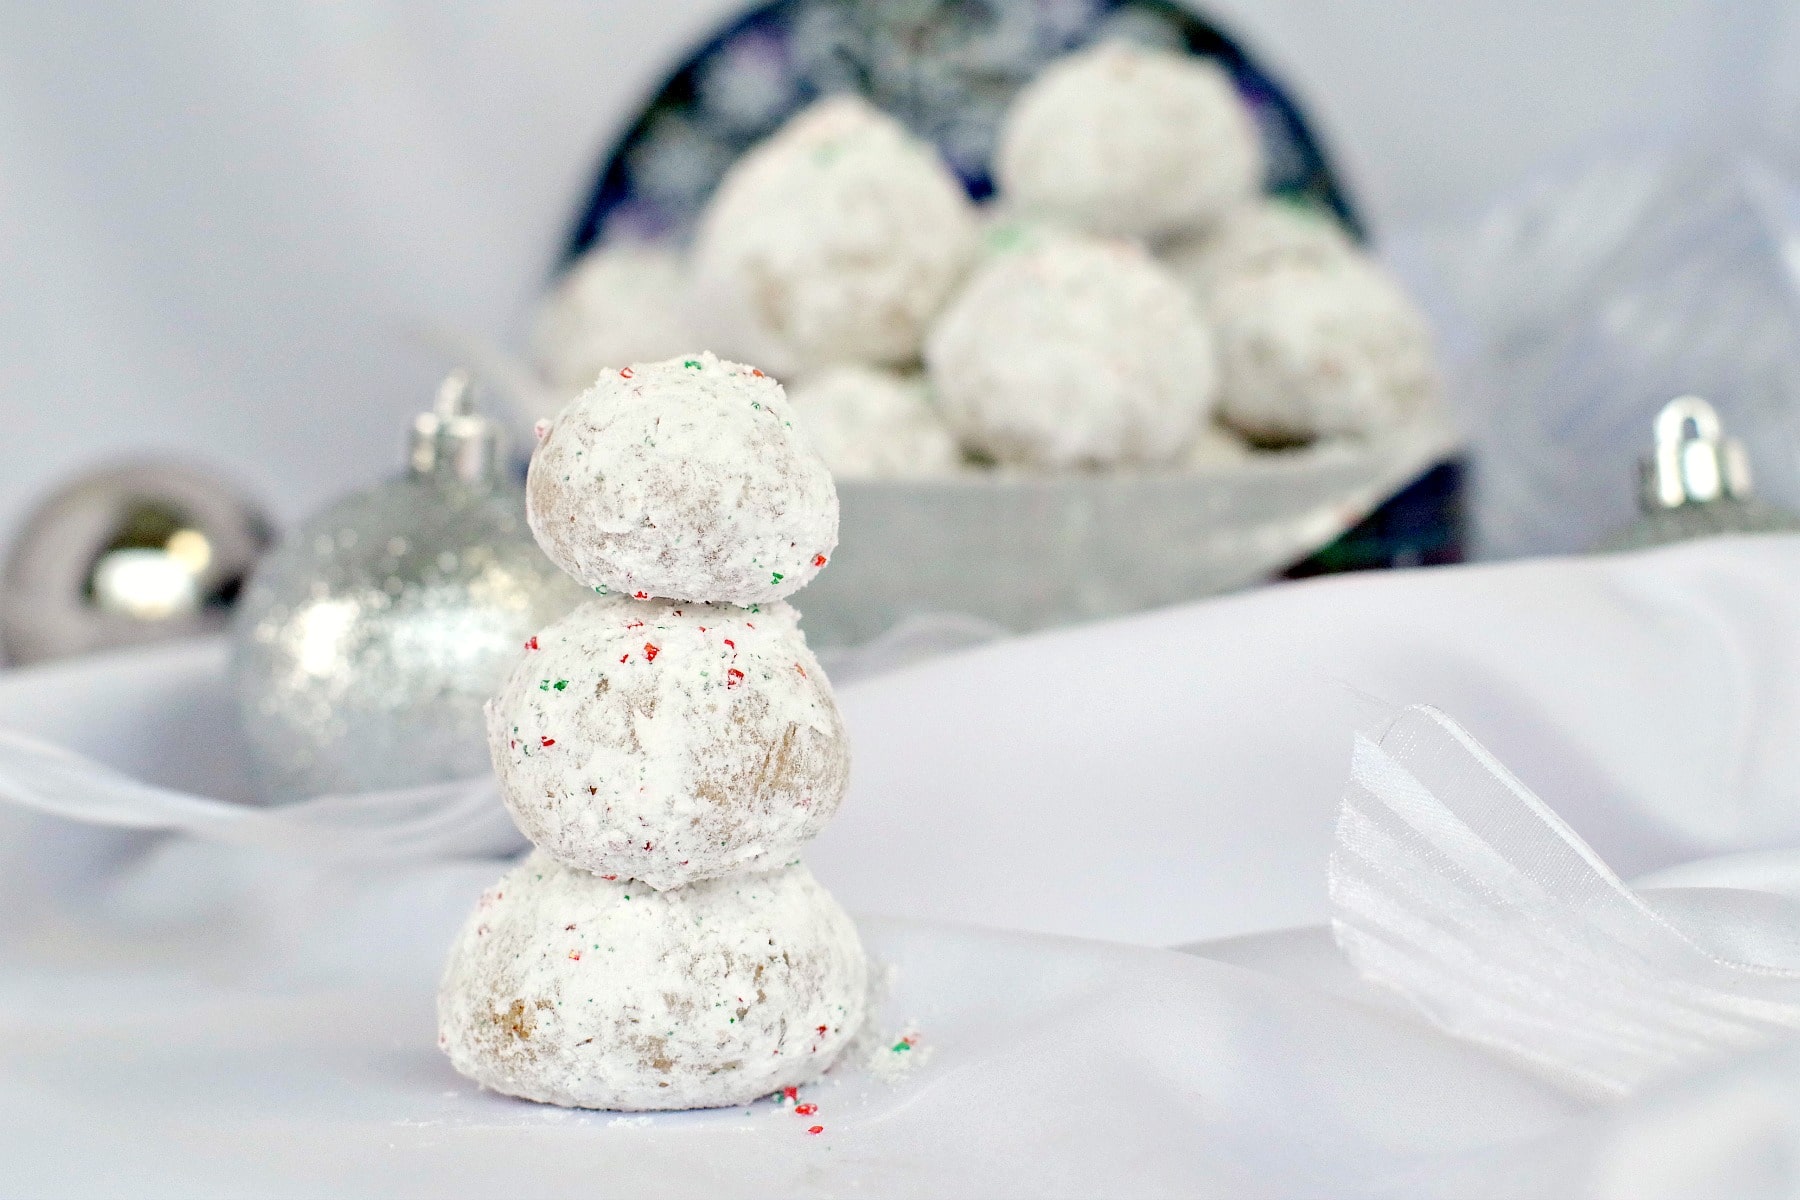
(569, 989)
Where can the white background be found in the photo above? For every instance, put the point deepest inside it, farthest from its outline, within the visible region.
(218, 220)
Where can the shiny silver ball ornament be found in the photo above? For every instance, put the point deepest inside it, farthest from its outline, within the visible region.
(1696, 483)
(368, 641)
(125, 555)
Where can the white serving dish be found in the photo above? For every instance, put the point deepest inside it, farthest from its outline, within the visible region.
(1029, 552)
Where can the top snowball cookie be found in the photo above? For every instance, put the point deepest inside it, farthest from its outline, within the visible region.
(835, 240)
(686, 479)
(1130, 141)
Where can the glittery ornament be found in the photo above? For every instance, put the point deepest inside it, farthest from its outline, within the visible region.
(1696, 484)
(126, 555)
(366, 643)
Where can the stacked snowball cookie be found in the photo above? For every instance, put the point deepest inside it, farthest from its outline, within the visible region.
(1130, 299)
(668, 748)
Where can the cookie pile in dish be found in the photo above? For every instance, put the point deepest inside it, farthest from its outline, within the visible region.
(1129, 299)
(668, 748)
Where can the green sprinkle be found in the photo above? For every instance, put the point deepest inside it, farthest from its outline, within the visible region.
(1006, 237)
(692, 364)
(777, 575)
(901, 1047)
(561, 684)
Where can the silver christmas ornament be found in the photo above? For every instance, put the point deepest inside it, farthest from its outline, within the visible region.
(368, 641)
(125, 555)
(1696, 484)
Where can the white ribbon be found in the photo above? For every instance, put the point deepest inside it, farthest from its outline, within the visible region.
(1452, 884)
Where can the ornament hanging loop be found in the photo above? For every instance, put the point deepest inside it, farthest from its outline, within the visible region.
(453, 440)
(1694, 463)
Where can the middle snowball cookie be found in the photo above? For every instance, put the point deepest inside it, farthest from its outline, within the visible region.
(669, 742)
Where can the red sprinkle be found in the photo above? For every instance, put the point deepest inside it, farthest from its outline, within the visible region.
(816, 1129)
(818, 560)
(532, 644)
(756, 372)
(733, 677)
(822, 1029)
(610, 878)
(640, 595)
(800, 669)
(806, 1110)
(575, 955)
(650, 652)
(625, 374)
(548, 742)
(791, 1092)
(624, 658)
(731, 643)
(634, 624)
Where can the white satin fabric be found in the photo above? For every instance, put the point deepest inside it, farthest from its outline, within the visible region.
(191, 1019)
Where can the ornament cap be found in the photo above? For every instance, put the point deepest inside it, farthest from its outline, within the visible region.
(1693, 463)
(453, 440)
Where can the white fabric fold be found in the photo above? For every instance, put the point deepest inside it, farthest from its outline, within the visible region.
(1454, 885)
(444, 820)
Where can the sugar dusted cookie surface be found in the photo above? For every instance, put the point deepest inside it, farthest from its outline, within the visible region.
(869, 423)
(615, 306)
(683, 478)
(669, 742)
(1121, 139)
(1311, 350)
(1073, 351)
(1256, 237)
(569, 989)
(836, 240)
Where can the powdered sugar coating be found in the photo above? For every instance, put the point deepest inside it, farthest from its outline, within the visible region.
(1311, 350)
(686, 478)
(1005, 229)
(1074, 351)
(836, 240)
(871, 423)
(1255, 237)
(669, 742)
(1216, 448)
(617, 305)
(1124, 139)
(569, 989)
